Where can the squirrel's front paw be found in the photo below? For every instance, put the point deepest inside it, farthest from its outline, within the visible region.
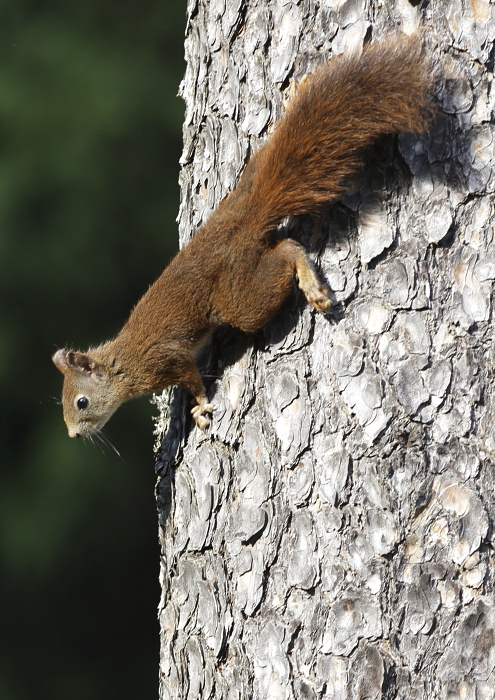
(198, 413)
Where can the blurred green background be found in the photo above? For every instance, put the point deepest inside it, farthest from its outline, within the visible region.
(89, 148)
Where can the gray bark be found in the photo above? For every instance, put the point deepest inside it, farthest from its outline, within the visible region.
(332, 535)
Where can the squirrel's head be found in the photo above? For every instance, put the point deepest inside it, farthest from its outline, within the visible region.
(89, 397)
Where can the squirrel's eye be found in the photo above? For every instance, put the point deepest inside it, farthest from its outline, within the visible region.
(82, 403)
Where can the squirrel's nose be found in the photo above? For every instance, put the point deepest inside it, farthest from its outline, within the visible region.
(74, 435)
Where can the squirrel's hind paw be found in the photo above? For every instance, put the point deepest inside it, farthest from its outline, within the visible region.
(318, 295)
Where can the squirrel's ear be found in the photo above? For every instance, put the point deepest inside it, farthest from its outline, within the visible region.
(79, 362)
(60, 360)
(66, 360)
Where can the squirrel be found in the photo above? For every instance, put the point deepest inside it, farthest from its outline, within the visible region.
(234, 270)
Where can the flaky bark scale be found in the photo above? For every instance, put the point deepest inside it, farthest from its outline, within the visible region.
(332, 536)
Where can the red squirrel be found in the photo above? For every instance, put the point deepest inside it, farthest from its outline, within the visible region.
(235, 271)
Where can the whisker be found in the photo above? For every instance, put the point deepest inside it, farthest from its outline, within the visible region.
(106, 441)
(56, 399)
(98, 441)
(93, 442)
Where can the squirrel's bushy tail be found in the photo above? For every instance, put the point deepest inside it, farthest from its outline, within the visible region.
(337, 111)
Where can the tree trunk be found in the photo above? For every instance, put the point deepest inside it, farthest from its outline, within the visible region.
(332, 535)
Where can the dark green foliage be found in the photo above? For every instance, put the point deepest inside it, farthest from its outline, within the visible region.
(89, 149)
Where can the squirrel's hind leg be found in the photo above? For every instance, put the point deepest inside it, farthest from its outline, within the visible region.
(271, 282)
(317, 294)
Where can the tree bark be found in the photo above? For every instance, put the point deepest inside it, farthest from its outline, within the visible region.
(332, 535)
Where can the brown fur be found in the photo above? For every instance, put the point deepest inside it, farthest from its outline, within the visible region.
(233, 271)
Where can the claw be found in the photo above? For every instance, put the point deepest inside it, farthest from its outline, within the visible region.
(198, 413)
